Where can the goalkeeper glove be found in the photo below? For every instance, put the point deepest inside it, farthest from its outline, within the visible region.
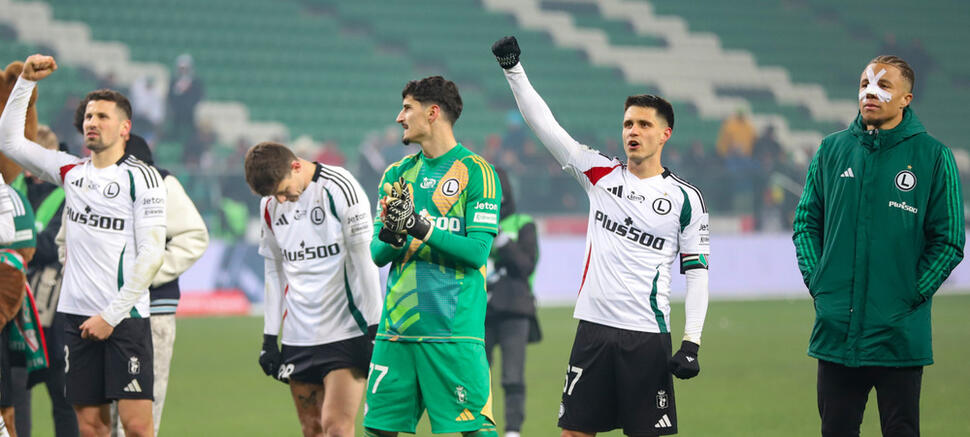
(393, 238)
(684, 364)
(269, 357)
(506, 51)
(399, 215)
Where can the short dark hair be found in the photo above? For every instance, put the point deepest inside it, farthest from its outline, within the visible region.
(662, 106)
(437, 90)
(899, 63)
(267, 164)
(102, 94)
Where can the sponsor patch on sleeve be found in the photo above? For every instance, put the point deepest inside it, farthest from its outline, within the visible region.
(23, 235)
(486, 218)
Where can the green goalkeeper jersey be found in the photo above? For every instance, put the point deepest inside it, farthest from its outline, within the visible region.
(436, 289)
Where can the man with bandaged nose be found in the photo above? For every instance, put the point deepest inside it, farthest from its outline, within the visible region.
(878, 229)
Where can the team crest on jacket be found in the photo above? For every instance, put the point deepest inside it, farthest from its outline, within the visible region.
(905, 180)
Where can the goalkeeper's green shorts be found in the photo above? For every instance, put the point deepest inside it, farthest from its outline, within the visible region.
(450, 380)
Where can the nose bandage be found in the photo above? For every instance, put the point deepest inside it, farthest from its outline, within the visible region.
(873, 87)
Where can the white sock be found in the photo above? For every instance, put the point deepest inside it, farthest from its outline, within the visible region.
(512, 434)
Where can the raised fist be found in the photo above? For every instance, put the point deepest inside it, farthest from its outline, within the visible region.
(37, 67)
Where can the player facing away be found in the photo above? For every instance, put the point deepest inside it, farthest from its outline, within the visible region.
(437, 218)
(115, 224)
(321, 284)
(641, 217)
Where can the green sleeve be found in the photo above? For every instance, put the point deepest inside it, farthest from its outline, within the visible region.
(381, 252)
(26, 236)
(809, 221)
(945, 235)
(470, 250)
(484, 196)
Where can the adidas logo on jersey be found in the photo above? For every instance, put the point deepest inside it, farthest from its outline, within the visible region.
(848, 173)
(465, 416)
(79, 182)
(664, 422)
(616, 191)
(282, 220)
(133, 387)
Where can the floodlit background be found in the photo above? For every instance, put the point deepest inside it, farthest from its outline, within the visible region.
(755, 85)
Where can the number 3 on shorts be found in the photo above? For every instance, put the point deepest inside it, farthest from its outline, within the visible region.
(382, 371)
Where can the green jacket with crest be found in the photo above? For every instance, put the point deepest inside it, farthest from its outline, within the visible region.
(878, 229)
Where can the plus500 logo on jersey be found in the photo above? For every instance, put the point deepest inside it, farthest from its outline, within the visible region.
(95, 220)
(629, 232)
(311, 253)
(450, 224)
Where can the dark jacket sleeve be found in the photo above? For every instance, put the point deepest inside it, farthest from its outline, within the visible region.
(519, 257)
(809, 221)
(46, 246)
(943, 227)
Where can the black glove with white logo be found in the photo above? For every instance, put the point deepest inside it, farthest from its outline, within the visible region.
(399, 214)
(269, 357)
(395, 239)
(506, 51)
(684, 364)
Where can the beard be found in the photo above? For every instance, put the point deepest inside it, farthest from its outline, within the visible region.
(95, 145)
(874, 121)
(406, 141)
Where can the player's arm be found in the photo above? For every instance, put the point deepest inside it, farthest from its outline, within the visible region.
(43, 163)
(809, 221)
(353, 211)
(534, 110)
(943, 228)
(149, 225)
(694, 243)
(187, 237)
(7, 228)
(273, 293)
(386, 245)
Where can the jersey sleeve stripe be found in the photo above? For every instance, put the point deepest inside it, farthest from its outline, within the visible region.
(341, 181)
(151, 178)
(487, 176)
(700, 197)
(484, 176)
(64, 170)
(18, 204)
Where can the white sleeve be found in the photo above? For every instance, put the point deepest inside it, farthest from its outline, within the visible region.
(695, 305)
(274, 276)
(695, 230)
(567, 151)
(149, 225)
(273, 296)
(8, 229)
(353, 210)
(186, 234)
(46, 164)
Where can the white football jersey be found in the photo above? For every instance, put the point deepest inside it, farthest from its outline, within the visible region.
(310, 239)
(637, 227)
(102, 208)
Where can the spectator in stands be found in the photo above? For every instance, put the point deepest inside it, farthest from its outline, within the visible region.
(767, 156)
(184, 93)
(147, 106)
(737, 136)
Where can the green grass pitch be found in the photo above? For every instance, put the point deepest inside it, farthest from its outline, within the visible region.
(756, 379)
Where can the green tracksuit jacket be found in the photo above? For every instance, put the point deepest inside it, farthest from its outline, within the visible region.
(878, 228)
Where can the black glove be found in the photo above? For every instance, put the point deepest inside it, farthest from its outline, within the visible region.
(399, 215)
(395, 239)
(684, 364)
(270, 358)
(506, 51)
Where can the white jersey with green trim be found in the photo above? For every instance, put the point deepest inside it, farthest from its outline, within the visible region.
(637, 228)
(102, 208)
(327, 294)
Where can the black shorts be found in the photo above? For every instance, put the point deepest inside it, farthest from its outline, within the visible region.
(6, 380)
(618, 378)
(310, 364)
(98, 372)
